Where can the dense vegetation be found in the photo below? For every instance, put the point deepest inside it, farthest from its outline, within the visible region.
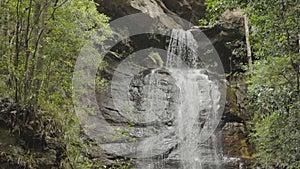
(274, 83)
(39, 44)
(40, 41)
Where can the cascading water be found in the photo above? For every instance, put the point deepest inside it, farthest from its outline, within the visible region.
(197, 106)
(182, 50)
(152, 116)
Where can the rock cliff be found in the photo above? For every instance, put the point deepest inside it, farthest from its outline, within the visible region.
(227, 37)
(190, 10)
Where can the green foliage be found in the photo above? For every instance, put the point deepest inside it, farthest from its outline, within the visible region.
(276, 104)
(274, 85)
(214, 9)
(275, 26)
(40, 42)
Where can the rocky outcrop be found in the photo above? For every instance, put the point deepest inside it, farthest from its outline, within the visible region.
(233, 128)
(228, 37)
(229, 40)
(233, 23)
(190, 10)
(137, 132)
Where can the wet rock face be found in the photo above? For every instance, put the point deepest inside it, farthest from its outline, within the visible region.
(237, 149)
(233, 127)
(160, 87)
(148, 123)
(190, 10)
(139, 104)
(138, 115)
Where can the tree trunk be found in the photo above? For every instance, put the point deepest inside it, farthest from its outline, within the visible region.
(247, 34)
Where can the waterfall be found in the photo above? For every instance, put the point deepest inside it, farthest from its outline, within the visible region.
(150, 116)
(182, 48)
(197, 106)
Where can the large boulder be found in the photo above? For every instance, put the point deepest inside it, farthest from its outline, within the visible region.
(228, 37)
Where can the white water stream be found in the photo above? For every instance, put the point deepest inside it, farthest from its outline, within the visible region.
(197, 109)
